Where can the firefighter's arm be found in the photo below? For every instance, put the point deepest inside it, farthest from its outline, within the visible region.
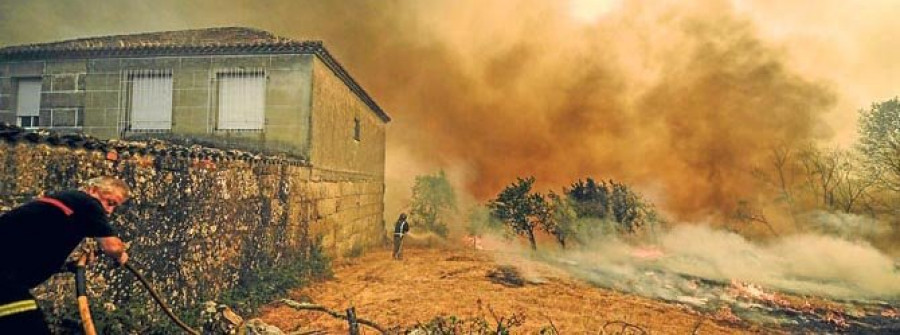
(114, 247)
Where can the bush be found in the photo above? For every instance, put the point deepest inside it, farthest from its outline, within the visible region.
(433, 200)
(273, 281)
(452, 325)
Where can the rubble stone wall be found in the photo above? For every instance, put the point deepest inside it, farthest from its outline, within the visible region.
(197, 222)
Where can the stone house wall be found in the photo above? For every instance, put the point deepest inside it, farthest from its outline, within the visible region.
(336, 115)
(96, 91)
(310, 112)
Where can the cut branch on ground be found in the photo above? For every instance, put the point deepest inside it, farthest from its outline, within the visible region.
(319, 308)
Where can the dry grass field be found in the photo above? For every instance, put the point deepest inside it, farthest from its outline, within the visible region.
(447, 281)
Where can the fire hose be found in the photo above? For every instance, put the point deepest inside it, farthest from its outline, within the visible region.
(84, 309)
(159, 301)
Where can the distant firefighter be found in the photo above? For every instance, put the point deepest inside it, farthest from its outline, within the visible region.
(400, 229)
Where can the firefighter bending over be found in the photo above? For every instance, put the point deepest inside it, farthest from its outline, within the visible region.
(36, 239)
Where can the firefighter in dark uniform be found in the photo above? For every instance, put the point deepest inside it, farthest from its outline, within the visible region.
(37, 238)
(400, 229)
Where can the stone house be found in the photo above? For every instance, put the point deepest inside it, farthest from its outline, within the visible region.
(230, 88)
(238, 87)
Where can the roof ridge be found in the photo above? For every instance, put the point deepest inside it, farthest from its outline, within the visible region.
(119, 40)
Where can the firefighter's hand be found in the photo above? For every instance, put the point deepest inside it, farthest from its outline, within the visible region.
(114, 247)
(122, 258)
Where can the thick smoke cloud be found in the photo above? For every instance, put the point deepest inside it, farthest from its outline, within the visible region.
(679, 100)
(802, 264)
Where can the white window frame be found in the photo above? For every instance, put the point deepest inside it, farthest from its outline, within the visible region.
(241, 99)
(150, 100)
(28, 104)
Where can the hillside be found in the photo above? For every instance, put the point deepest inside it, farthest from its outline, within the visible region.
(447, 282)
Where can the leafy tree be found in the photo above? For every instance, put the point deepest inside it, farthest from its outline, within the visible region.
(520, 209)
(589, 198)
(626, 206)
(433, 200)
(586, 209)
(609, 201)
(879, 130)
(559, 218)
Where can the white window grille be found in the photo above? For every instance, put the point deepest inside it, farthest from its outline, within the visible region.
(28, 102)
(150, 100)
(242, 99)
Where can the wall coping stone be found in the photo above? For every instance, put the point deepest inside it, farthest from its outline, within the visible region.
(14, 134)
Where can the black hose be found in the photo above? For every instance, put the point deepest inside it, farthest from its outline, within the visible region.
(80, 281)
(159, 301)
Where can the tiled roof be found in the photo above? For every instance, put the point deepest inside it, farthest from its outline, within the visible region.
(211, 41)
(195, 38)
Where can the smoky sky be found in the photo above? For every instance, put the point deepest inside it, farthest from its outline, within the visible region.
(680, 101)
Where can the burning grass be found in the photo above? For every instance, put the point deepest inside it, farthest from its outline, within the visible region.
(801, 283)
(690, 280)
(436, 286)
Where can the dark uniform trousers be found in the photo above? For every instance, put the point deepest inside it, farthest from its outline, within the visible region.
(20, 313)
(398, 246)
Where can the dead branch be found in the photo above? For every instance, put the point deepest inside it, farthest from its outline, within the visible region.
(697, 326)
(505, 324)
(319, 308)
(627, 328)
(552, 326)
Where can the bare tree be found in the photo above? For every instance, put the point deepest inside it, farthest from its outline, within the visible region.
(781, 175)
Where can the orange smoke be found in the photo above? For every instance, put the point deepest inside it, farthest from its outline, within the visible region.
(680, 101)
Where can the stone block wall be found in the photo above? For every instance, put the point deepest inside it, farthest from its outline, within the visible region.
(90, 95)
(62, 91)
(346, 135)
(200, 219)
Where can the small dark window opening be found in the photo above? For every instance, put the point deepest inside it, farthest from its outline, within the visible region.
(28, 121)
(356, 129)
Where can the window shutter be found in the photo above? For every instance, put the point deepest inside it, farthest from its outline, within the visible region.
(28, 99)
(242, 100)
(151, 100)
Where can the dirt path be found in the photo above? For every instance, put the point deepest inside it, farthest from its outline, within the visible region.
(448, 282)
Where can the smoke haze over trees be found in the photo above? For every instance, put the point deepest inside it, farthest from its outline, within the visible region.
(678, 99)
(433, 202)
